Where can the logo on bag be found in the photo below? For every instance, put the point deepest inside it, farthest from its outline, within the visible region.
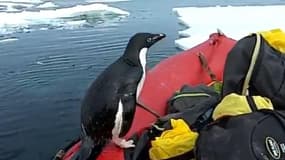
(272, 147)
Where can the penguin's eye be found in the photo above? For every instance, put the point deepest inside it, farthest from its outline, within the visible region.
(148, 40)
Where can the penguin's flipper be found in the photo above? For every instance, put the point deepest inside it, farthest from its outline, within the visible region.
(129, 105)
(117, 130)
(126, 104)
(128, 100)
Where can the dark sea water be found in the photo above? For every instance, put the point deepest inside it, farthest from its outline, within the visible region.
(44, 74)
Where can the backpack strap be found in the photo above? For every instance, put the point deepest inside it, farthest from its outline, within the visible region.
(190, 94)
(251, 66)
(251, 103)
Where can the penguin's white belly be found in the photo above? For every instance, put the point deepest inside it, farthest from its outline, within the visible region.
(143, 63)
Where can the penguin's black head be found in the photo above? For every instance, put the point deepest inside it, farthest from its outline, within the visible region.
(145, 40)
(138, 42)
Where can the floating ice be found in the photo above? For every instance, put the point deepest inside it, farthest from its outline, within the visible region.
(39, 63)
(106, 1)
(22, 1)
(235, 22)
(12, 7)
(5, 40)
(47, 5)
(57, 18)
(17, 5)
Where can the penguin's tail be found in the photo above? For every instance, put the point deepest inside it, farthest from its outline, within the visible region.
(89, 150)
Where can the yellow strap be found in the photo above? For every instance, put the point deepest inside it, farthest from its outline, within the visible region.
(252, 64)
(191, 95)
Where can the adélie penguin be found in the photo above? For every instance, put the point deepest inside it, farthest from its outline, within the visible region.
(109, 105)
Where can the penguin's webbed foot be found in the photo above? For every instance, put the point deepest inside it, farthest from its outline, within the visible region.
(123, 143)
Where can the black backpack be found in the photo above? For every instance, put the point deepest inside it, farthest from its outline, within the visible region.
(194, 104)
(189, 96)
(255, 66)
(258, 135)
(252, 67)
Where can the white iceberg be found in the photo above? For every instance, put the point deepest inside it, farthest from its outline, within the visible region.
(53, 18)
(236, 22)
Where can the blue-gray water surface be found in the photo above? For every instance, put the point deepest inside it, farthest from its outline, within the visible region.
(44, 74)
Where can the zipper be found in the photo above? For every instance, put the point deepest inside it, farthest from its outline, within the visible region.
(251, 103)
(190, 95)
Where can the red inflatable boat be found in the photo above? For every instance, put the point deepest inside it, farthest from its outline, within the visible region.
(164, 79)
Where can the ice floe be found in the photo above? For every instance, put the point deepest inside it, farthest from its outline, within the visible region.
(235, 21)
(106, 1)
(57, 18)
(47, 5)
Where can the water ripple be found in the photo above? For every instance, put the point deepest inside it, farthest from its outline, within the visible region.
(84, 52)
(10, 154)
